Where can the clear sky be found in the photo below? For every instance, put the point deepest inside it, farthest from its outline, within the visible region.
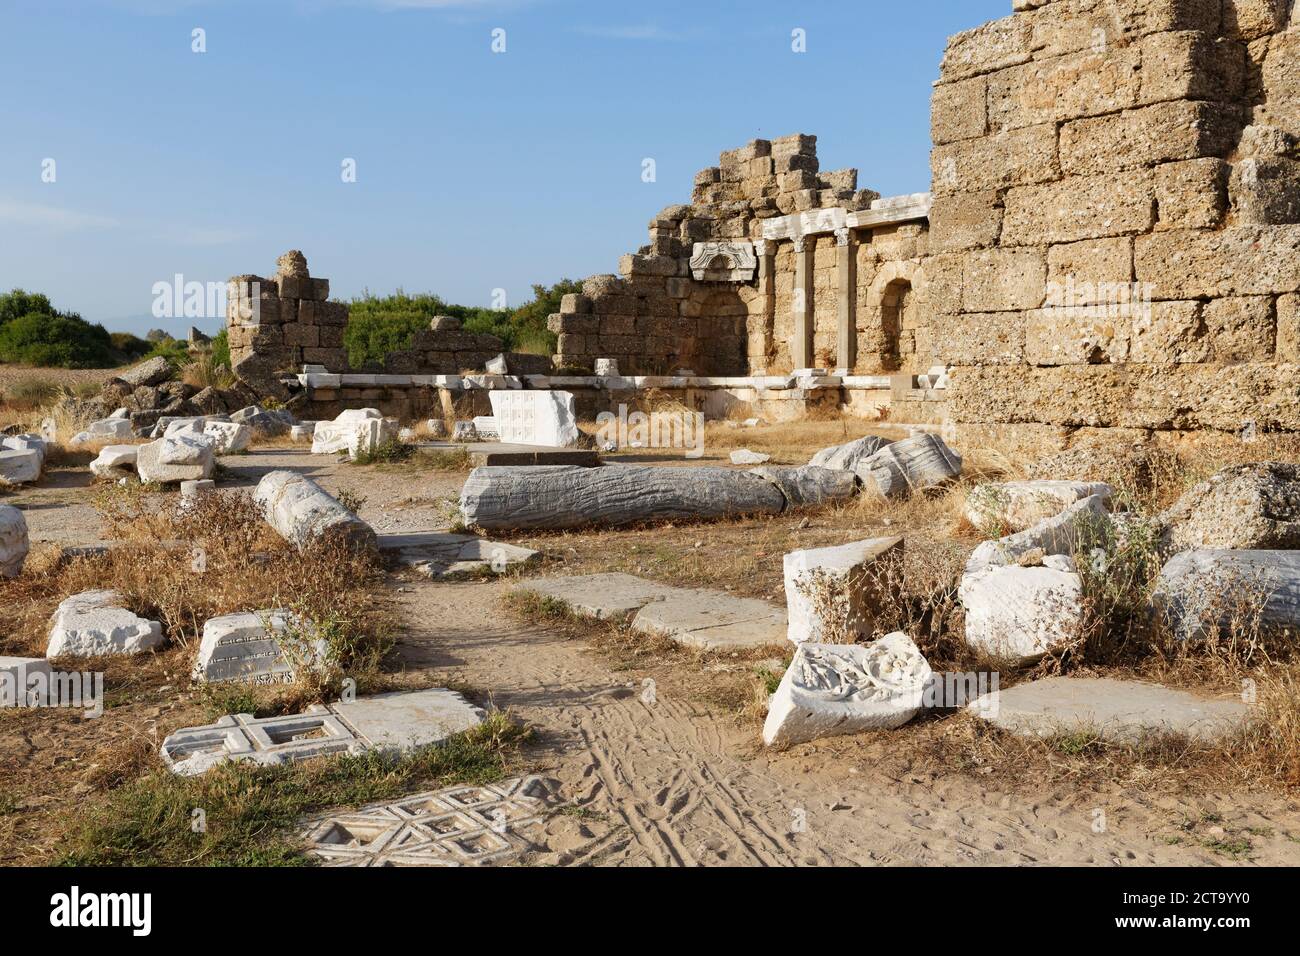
(475, 170)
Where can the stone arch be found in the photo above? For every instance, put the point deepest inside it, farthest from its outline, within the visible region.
(896, 316)
(722, 345)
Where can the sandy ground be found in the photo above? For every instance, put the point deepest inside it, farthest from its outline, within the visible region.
(674, 778)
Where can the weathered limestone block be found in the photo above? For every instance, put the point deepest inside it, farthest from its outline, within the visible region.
(1019, 157)
(1254, 506)
(1059, 534)
(1192, 194)
(19, 467)
(1246, 260)
(303, 512)
(535, 417)
(908, 466)
(743, 456)
(959, 111)
(13, 541)
(1288, 329)
(1188, 396)
(832, 689)
(568, 496)
(1080, 207)
(228, 437)
(250, 647)
(832, 594)
(1164, 133)
(354, 431)
(1199, 591)
(26, 442)
(175, 459)
(1052, 89)
(1002, 280)
(25, 681)
(810, 485)
(390, 723)
(963, 221)
(1079, 335)
(1120, 711)
(1021, 613)
(846, 457)
(1011, 506)
(1266, 191)
(115, 461)
(92, 623)
(155, 371)
(981, 338)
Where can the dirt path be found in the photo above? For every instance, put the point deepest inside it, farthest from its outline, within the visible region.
(676, 779)
(671, 781)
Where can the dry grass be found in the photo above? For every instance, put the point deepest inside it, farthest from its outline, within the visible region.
(181, 567)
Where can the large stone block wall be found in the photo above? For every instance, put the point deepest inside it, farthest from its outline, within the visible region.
(278, 324)
(1115, 229)
(657, 316)
(771, 198)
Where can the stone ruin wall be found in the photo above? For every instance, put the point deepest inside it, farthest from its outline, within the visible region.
(1113, 142)
(717, 289)
(1087, 153)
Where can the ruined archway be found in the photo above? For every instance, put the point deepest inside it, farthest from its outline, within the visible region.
(897, 330)
(722, 344)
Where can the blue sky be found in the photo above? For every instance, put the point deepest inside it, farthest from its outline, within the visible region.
(475, 170)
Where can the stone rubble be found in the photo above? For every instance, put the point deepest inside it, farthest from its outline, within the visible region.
(14, 543)
(1052, 536)
(832, 594)
(832, 689)
(249, 647)
(303, 512)
(1120, 711)
(743, 456)
(94, 623)
(391, 723)
(1021, 613)
(1013, 506)
(1200, 590)
(115, 461)
(1254, 506)
(183, 457)
(356, 431)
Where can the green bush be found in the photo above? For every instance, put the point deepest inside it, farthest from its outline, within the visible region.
(221, 349)
(55, 340)
(129, 347)
(380, 325)
(16, 304)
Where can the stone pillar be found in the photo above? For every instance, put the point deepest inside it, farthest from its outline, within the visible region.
(765, 252)
(846, 291)
(802, 301)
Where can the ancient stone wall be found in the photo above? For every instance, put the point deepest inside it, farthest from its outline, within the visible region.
(1115, 230)
(774, 266)
(278, 324)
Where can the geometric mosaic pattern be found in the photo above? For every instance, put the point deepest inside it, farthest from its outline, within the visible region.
(459, 826)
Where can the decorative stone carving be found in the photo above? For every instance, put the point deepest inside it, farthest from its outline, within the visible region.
(392, 723)
(727, 260)
(832, 689)
(458, 826)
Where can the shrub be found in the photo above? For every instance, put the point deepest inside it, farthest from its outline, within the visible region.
(55, 340)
